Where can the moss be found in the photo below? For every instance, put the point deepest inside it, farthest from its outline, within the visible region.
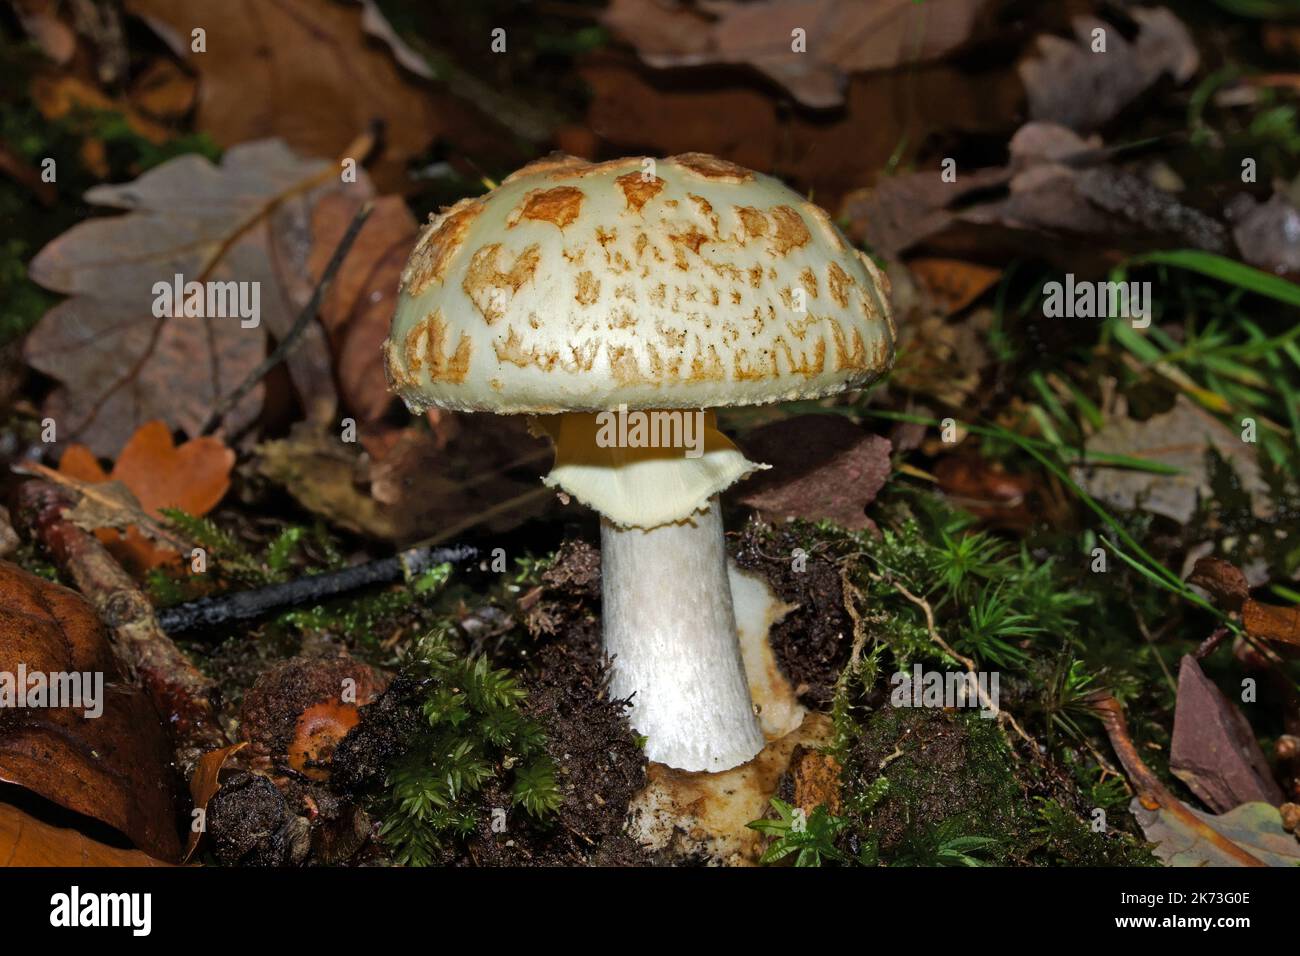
(955, 793)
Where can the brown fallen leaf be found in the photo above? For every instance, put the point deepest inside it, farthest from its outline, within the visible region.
(943, 359)
(824, 467)
(886, 117)
(193, 477)
(119, 364)
(205, 783)
(357, 309)
(1223, 579)
(1044, 192)
(27, 841)
(416, 490)
(1076, 85)
(951, 284)
(1214, 751)
(987, 490)
(842, 37)
(64, 96)
(163, 91)
(1271, 623)
(1154, 797)
(116, 766)
(317, 86)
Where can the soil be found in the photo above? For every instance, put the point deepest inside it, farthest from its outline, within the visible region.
(812, 642)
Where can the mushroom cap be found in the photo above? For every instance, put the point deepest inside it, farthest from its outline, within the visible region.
(686, 282)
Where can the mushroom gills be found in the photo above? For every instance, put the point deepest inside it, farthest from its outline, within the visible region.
(670, 630)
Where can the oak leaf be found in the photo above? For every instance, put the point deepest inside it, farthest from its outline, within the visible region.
(121, 356)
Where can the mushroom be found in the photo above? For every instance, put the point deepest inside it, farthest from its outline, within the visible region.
(617, 303)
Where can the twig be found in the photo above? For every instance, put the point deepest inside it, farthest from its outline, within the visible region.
(966, 662)
(1151, 792)
(1208, 645)
(183, 695)
(290, 341)
(243, 605)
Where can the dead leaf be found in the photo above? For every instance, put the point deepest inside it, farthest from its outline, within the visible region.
(158, 474)
(359, 305)
(1252, 828)
(1223, 580)
(119, 365)
(27, 841)
(1162, 815)
(1179, 437)
(1214, 751)
(418, 489)
(842, 37)
(1079, 86)
(115, 767)
(1271, 623)
(943, 359)
(59, 96)
(824, 467)
(987, 490)
(301, 70)
(1044, 193)
(203, 785)
(886, 117)
(951, 284)
(163, 91)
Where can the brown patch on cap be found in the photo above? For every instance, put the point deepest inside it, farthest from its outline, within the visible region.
(515, 352)
(426, 345)
(439, 241)
(791, 231)
(849, 356)
(752, 222)
(639, 189)
(692, 238)
(588, 288)
(808, 279)
(623, 366)
(710, 167)
(839, 283)
(706, 367)
(489, 275)
(559, 206)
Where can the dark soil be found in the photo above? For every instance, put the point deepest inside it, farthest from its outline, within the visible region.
(812, 643)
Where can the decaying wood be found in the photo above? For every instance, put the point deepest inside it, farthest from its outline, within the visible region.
(184, 696)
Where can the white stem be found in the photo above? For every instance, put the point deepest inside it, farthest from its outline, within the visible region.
(671, 631)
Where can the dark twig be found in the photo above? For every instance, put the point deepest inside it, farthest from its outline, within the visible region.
(300, 324)
(242, 605)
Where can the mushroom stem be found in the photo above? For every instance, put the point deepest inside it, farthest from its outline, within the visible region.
(670, 629)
